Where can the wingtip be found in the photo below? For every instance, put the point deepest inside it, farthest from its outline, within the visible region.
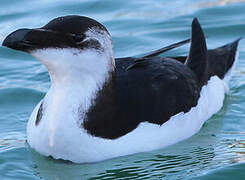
(197, 59)
(195, 21)
(196, 25)
(197, 33)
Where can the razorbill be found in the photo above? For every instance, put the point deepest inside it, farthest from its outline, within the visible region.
(99, 107)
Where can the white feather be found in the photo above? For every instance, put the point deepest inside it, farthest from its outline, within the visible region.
(71, 142)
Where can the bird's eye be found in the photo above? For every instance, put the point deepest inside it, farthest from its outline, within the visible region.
(78, 38)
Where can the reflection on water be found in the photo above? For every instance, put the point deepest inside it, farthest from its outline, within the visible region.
(238, 147)
(144, 165)
(181, 160)
(12, 140)
(136, 27)
(186, 162)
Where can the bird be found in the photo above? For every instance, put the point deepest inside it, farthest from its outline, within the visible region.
(100, 107)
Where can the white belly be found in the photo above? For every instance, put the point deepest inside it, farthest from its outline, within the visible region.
(70, 142)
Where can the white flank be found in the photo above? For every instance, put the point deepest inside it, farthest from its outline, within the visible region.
(71, 142)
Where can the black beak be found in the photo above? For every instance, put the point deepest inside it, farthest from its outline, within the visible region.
(31, 39)
(18, 40)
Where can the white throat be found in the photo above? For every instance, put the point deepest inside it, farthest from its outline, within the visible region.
(69, 65)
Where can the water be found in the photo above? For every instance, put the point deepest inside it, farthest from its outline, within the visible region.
(216, 152)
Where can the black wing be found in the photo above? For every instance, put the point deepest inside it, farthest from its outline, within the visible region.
(152, 91)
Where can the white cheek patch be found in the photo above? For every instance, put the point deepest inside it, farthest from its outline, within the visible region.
(52, 57)
(70, 63)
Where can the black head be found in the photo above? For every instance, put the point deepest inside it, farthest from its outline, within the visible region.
(62, 32)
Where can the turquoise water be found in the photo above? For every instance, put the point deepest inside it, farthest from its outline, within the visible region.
(216, 152)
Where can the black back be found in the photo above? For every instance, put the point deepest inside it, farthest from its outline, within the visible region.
(151, 90)
(154, 89)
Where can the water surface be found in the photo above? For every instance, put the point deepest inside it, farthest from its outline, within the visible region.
(216, 152)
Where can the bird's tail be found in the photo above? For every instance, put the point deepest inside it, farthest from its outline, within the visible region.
(207, 63)
(222, 60)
